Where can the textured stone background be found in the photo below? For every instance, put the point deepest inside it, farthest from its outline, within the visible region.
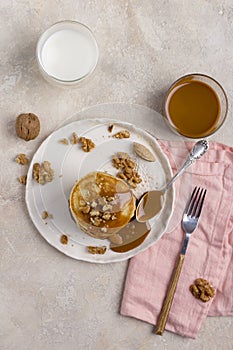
(48, 301)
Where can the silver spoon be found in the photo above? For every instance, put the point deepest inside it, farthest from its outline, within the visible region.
(151, 202)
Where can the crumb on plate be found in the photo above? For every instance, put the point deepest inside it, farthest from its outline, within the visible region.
(64, 239)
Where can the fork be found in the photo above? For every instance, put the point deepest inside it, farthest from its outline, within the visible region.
(190, 219)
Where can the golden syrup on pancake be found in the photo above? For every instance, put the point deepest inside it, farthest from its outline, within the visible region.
(101, 204)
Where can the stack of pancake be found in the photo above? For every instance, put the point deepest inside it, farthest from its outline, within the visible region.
(101, 204)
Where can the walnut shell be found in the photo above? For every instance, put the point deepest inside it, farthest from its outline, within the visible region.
(27, 126)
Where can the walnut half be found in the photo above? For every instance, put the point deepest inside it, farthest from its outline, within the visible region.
(27, 126)
(21, 159)
(201, 289)
(43, 173)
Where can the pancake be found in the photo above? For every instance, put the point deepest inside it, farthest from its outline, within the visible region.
(101, 204)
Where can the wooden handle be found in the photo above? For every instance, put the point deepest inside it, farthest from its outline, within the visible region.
(169, 297)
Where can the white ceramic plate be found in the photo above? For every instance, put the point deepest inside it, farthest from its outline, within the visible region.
(70, 163)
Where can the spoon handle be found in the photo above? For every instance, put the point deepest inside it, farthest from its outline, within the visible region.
(198, 150)
(186, 164)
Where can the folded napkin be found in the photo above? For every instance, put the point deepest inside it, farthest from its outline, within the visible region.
(209, 254)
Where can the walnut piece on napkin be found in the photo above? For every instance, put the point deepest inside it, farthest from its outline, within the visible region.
(201, 289)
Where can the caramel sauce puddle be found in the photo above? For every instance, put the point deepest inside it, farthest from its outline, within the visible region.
(133, 234)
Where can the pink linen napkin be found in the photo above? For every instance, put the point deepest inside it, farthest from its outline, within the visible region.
(209, 254)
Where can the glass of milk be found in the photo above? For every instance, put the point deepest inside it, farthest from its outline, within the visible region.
(67, 53)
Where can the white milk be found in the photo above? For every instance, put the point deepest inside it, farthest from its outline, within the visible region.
(69, 54)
